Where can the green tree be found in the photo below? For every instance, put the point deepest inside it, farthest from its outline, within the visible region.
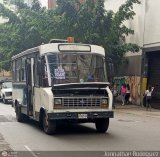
(116, 47)
(88, 22)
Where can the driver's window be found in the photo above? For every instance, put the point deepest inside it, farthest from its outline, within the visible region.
(69, 64)
(64, 62)
(84, 62)
(44, 72)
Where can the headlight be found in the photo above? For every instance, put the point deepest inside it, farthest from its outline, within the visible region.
(58, 101)
(104, 103)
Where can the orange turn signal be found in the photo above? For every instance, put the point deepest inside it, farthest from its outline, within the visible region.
(70, 39)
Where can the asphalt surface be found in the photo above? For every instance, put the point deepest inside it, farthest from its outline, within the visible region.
(132, 129)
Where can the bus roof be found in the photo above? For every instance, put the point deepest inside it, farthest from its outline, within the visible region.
(63, 47)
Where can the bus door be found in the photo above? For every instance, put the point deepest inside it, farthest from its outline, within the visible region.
(30, 84)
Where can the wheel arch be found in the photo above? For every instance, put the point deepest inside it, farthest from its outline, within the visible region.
(42, 112)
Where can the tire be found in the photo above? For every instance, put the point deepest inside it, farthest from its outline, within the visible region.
(4, 100)
(102, 125)
(49, 127)
(20, 116)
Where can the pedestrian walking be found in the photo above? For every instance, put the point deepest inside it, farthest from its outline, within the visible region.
(127, 97)
(148, 94)
(123, 93)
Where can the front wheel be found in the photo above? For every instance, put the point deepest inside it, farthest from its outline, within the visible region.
(19, 115)
(49, 127)
(4, 100)
(102, 125)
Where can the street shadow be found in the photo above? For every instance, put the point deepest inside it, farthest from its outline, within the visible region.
(68, 128)
(7, 102)
(74, 129)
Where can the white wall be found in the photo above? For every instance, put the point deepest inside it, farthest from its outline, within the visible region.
(146, 23)
(137, 24)
(44, 3)
(152, 23)
(113, 4)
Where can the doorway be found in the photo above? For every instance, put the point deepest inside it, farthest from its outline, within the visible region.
(29, 84)
(154, 76)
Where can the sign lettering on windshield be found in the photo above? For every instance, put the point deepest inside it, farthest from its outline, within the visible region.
(59, 73)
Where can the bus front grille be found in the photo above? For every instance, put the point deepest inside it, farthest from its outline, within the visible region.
(8, 93)
(82, 102)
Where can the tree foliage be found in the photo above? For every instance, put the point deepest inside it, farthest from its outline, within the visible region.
(88, 22)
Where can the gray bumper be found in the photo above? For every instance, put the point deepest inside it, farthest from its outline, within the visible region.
(85, 116)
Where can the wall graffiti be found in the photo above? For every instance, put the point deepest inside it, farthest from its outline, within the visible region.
(134, 83)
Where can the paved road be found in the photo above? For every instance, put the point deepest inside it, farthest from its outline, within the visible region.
(127, 132)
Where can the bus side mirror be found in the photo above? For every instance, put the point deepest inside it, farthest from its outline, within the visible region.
(38, 67)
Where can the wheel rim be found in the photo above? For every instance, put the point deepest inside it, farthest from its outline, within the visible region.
(4, 100)
(45, 122)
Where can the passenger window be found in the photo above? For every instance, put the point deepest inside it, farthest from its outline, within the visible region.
(18, 71)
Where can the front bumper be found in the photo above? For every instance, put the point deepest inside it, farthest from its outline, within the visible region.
(8, 98)
(81, 116)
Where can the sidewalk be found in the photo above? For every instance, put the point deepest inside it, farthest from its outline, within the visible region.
(137, 110)
(4, 145)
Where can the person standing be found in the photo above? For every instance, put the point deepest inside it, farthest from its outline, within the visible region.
(127, 94)
(123, 93)
(148, 94)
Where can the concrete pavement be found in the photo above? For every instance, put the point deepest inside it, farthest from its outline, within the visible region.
(137, 110)
(4, 145)
(7, 114)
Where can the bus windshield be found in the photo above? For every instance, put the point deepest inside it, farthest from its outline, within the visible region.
(76, 68)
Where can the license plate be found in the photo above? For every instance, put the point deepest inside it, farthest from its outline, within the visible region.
(82, 116)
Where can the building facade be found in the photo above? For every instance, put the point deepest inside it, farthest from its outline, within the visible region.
(144, 66)
(6, 3)
(51, 4)
(28, 2)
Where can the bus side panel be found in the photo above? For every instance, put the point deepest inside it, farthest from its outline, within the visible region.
(43, 99)
(20, 95)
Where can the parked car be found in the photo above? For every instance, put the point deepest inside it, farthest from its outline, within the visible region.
(6, 92)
